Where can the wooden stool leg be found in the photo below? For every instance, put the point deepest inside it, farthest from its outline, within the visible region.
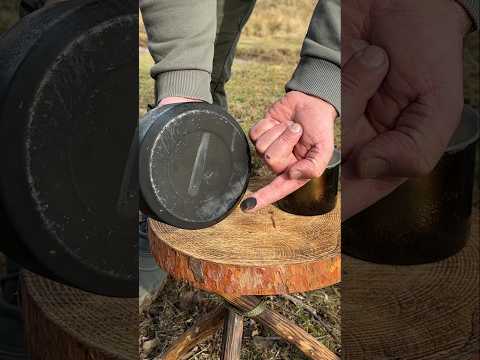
(204, 328)
(232, 336)
(292, 333)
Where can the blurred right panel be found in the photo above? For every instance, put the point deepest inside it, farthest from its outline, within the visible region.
(410, 128)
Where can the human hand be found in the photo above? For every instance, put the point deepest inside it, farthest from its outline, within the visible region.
(362, 76)
(418, 107)
(176, 100)
(295, 139)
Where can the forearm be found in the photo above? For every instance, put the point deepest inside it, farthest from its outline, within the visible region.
(181, 37)
(318, 72)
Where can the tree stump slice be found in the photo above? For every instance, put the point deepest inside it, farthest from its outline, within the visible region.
(426, 311)
(65, 323)
(269, 252)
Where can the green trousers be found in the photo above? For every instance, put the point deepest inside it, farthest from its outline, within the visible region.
(232, 16)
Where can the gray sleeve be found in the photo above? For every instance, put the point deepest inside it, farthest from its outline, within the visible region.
(472, 7)
(181, 37)
(319, 70)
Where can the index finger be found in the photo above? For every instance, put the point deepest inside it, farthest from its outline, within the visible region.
(279, 188)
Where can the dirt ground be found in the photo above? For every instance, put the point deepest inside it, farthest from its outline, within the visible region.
(179, 306)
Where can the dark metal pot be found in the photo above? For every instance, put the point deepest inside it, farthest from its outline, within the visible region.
(319, 195)
(68, 104)
(425, 219)
(194, 164)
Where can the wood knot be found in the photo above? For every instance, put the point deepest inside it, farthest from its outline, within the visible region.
(197, 269)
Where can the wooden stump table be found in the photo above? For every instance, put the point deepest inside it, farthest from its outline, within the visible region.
(266, 253)
(428, 311)
(65, 323)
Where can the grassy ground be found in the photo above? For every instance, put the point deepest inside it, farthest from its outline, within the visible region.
(8, 13)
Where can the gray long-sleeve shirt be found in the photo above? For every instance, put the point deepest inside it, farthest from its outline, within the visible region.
(181, 38)
(318, 72)
(182, 35)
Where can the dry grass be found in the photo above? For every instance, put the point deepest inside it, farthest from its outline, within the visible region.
(8, 13)
(142, 35)
(283, 19)
(273, 33)
(179, 306)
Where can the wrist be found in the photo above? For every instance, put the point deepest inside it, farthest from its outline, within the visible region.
(177, 100)
(192, 84)
(318, 103)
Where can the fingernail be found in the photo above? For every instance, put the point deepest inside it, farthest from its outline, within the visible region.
(248, 204)
(296, 175)
(296, 128)
(373, 168)
(373, 57)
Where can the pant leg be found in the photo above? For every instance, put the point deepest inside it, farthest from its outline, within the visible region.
(232, 16)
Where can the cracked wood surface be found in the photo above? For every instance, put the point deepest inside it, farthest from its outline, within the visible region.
(266, 253)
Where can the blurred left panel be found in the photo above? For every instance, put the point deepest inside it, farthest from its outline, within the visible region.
(68, 179)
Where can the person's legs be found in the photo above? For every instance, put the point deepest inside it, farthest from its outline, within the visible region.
(231, 18)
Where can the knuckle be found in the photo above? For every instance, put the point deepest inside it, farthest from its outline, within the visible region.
(417, 152)
(252, 134)
(260, 149)
(287, 138)
(275, 164)
(314, 172)
(261, 146)
(270, 159)
(314, 166)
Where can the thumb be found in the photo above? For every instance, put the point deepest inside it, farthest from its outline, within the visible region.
(313, 165)
(362, 75)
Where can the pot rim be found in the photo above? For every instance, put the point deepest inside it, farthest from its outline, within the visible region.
(470, 124)
(335, 159)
